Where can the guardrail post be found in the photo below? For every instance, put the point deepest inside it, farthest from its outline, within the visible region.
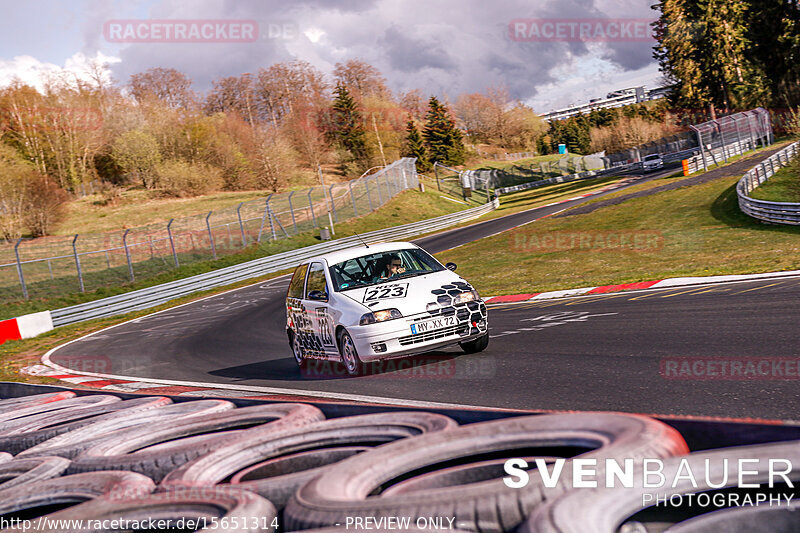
(352, 197)
(241, 224)
(19, 270)
(311, 207)
(211, 235)
(127, 253)
(333, 204)
(77, 261)
(291, 211)
(172, 242)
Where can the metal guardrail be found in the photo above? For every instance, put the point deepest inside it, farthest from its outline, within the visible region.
(159, 294)
(774, 212)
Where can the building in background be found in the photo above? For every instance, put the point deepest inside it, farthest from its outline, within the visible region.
(618, 98)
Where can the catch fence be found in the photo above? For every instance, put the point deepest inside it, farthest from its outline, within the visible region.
(53, 266)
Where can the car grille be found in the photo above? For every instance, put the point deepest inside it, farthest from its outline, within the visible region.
(458, 329)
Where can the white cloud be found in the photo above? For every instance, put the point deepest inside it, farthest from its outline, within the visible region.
(36, 73)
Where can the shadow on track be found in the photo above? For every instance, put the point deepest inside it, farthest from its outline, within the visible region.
(439, 364)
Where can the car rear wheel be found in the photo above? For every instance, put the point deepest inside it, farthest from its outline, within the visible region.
(477, 345)
(350, 359)
(297, 351)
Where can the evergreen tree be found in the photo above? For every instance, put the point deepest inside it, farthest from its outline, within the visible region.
(442, 139)
(414, 147)
(705, 49)
(348, 130)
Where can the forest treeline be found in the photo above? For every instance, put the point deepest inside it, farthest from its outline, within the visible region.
(272, 129)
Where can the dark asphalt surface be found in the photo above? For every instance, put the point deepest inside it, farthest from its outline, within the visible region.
(620, 351)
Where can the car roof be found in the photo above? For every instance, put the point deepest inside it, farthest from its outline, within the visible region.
(361, 250)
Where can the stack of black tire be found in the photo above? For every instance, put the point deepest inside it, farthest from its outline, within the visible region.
(101, 463)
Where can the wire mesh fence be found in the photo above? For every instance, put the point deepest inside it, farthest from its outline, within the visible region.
(470, 185)
(542, 170)
(54, 266)
(732, 135)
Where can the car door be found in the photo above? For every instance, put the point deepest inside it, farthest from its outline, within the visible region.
(317, 311)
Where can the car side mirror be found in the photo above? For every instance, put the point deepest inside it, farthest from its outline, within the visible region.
(450, 266)
(318, 295)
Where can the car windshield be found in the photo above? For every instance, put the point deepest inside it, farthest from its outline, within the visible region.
(652, 157)
(380, 267)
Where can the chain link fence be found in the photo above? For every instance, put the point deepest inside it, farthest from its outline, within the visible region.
(54, 266)
(470, 185)
(721, 139)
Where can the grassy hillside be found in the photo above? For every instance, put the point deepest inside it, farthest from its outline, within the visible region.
(691, 231)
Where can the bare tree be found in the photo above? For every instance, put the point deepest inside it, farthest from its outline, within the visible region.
(168, 85)
(285, 87)
(233, 94)
(361, 79)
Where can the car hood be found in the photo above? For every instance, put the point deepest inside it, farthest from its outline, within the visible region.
(417, 292)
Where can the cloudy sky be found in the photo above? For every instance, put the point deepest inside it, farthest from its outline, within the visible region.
(443, 47)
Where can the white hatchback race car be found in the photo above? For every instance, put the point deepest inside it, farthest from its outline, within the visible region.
(380, 302)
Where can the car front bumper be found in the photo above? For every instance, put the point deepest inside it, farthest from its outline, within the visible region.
(394, 338)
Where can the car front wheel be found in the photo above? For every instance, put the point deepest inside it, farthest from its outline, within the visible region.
(350, 359)
(477, 345)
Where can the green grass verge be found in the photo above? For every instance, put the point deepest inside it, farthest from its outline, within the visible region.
(693, 231)
(783, 186)
(408, 206)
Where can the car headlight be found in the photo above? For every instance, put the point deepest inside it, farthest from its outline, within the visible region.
(465, 297)
(379, 316)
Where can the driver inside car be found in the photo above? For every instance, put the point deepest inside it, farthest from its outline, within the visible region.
(393, 267)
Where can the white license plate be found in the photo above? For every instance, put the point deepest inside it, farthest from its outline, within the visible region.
(433, 324)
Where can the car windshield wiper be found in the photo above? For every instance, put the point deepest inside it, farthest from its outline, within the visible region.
(406, 275)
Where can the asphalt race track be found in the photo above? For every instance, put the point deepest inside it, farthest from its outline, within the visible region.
(624, 351)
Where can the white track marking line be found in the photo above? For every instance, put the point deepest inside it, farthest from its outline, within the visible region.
(709, 284)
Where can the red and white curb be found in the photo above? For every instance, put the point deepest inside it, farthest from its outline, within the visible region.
(158, 389)
(640, 285)
(25, 327)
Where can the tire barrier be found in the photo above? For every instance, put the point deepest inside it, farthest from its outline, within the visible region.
(213, 510)
(72, 490)
(73, 443)
(309, 451)
(18, 472)
(11, 404)
(11, 418)
(129, 449)
(209, 464)
(35, 429)
(344, 489)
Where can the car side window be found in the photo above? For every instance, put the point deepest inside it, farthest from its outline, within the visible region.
(316, 279)
(296, 285)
